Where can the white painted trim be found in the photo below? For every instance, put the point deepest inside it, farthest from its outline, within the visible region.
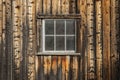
(58, 53)
(54, 35)
(43, 36)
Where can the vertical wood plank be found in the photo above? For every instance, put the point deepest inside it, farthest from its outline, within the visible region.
(37, 67)
(67, 7)
(53, 75)
(24, 39)
(1, 11)
(83, 24)
(106, 39)
(44, 7)
(91, 40)
(63, 67)
(63, 6)
(39, 72)
(21, 35)
(39, 7)
(59, 7)
(8, 50)
(3, 43)
(71, 68)
(114, 25)
(41, 60)
(118, 39)
(75, 68)
(78, 6)
(99, 39)
(73, 6)
(31, 40)
(45, 68)
(67, 68)
(17, 38)
(49, 67)
(1, 24)
(59, 68)
(48, 6)
(54, 7)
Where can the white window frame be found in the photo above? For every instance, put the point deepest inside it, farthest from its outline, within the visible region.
(56, 51)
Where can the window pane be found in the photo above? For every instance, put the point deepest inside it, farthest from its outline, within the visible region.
(60, 43)
(70, 27)
(49, 27)
(70, 42)
(60, 27)
(49, 43)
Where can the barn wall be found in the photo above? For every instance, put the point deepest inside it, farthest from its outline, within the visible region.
(57, 67)
(99, 40)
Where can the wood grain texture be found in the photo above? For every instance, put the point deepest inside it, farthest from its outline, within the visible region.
(3, 65)
(44, 6)
(48, 6)
(63, 59)
(40, 68)
(8, 41)
(83, 31)
(59, 68)
(114, 24)
(54, 7)
(75, 68)
(1, 24)
(67, 68)
(117, 63)
(67, 7)
(59, 7)
(53, 74)
(99, 54)
(98, 40)
(73, 7)
(24, 41)
(91, 39)
(45, 68)
(31, 50)
(17, 38)
(106, 39)
(39, 7)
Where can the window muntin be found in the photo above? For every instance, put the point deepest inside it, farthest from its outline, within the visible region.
(59, 35)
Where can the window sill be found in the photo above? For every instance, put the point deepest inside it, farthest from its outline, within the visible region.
(58, 54)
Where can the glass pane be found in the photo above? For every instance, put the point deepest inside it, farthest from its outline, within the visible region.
(70, 27)
(60, 43)
(49, 43)
(70, 42)
(49, 27)
(60, 27)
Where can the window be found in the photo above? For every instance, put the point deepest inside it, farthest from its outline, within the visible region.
(59, 35)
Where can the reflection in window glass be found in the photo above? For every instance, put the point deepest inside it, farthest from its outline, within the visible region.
(49, 43)
(60, 27)
(49, 27)
(60, 43)
(70, 27)
(70, 42)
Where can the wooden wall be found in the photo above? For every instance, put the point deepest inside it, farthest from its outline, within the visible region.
(57, 67)
(99, 40)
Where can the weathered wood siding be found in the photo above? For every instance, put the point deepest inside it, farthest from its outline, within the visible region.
(98, 40)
